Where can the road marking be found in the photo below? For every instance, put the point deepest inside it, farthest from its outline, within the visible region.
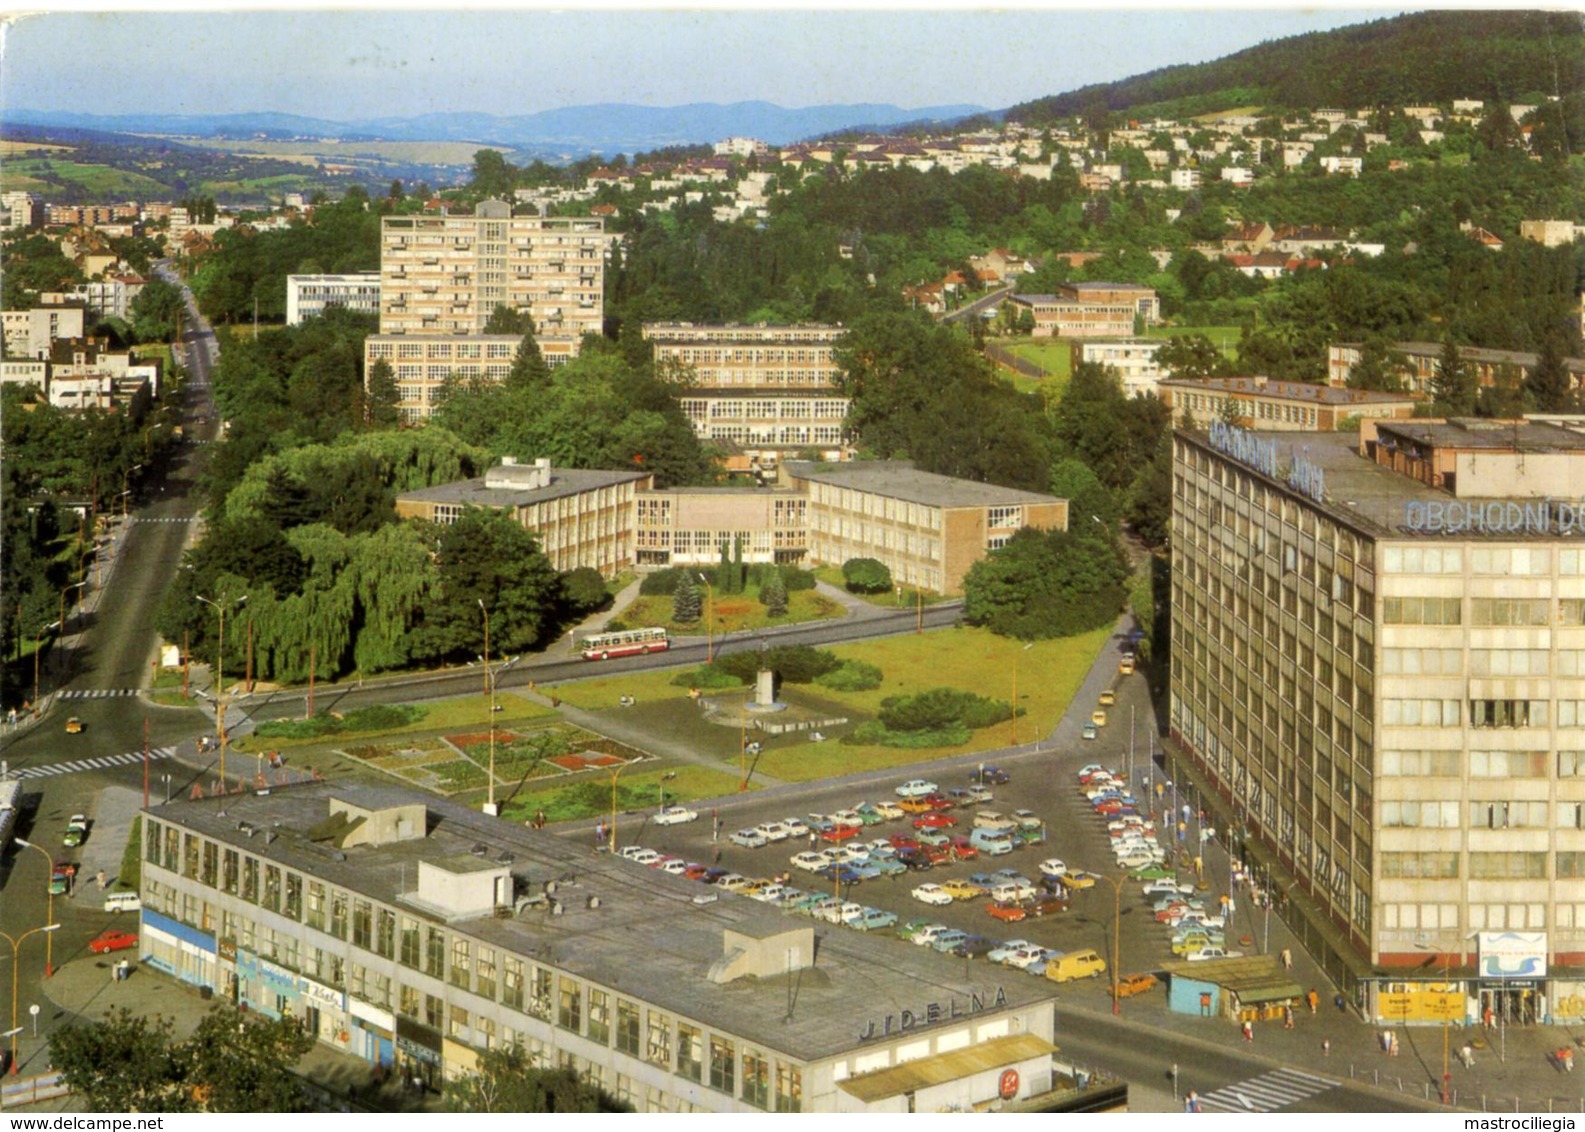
(96, 693)
(1267, 1093)
(127, 758)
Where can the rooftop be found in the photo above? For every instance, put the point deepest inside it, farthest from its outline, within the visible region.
(563, 482)
(644, 935)
(1287, 390)
(899, 479)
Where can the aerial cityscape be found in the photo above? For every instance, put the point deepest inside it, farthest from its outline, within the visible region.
(813, 561)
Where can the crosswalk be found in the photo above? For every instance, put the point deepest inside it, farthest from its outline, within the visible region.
(104, 762)
(1266, 1093)
(167, 519)
(96, 693)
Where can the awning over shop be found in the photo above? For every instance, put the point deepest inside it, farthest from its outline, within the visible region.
(1255, 979)
(911, 1076)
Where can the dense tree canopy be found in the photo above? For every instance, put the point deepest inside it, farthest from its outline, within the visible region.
(1047, 584)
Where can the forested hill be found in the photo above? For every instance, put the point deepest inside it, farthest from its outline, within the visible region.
(1427, 57)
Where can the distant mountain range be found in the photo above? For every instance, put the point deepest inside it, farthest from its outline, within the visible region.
(608, 128)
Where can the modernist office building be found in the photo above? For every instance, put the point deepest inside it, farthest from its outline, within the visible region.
(763, 391)
(443, 276)
(1378, 686)
(414, 932)
(308, 296)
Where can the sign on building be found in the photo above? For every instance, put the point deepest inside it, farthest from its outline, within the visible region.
(1513, 955)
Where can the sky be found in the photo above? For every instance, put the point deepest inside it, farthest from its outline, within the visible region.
(349, 64)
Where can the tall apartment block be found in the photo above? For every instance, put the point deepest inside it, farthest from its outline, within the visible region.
(1378, 690)
(442, 276)
(761, 392)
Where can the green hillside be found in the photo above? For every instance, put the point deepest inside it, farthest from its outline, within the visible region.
(1428, 57)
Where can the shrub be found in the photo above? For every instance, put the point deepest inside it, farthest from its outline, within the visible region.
(794, 664)
(661, 582)
(375, 717)
(796, 579)
(584, 589)
(851, 676)
(875, 733)
(941, 708)
(706, 676)
(866, 576)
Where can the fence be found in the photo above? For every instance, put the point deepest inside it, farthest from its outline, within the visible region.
(1005, 357)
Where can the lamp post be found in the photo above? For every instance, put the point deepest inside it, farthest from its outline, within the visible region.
(489, 690)
(665, 778)
(1013, 721)
(49, 915)
(1117, 928)
(615, 773)
(38, 643)
(221, 605)
(16, 947)
(1447, 1077)
(709, 619)
(68, 589)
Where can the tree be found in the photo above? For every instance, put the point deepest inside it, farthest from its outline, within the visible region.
(1453, 390)
(508, 320)
(1376, 369)
(156, 310)
(685, 603)
(773, 593)
(507, 1080)
(866, 576)
(1504, 397)
(381, 397)
(1047, 584)
(1549, 387)
(1191, 355)
(1087, 496)
(493, 175)
(127, 1063)
(583, 590)
(244, 1064)
(528, 365)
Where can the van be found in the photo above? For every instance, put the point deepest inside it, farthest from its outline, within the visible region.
(992, 842)
(1074, 965)
(123, 902)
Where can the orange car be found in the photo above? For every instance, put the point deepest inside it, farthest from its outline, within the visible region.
(1130, 985)
(1005, 911)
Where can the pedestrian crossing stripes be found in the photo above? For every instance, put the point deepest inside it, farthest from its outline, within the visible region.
(171, 519)
(105, 762)
(1266, 1093)
(96, 693)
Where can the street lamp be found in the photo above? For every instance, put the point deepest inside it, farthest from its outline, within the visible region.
(38, 640)
(220, 607)
(489, 690)
(1013, 722)
(615, 773)
(665, 778)
(1117, 926)
(49, 914)
(64, 592)
(16, 947)
(1447, 960)
(709, 619)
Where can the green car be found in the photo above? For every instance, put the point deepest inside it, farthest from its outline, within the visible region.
(58, 884)
(76, 831)
(908, 930)
(1154, 872)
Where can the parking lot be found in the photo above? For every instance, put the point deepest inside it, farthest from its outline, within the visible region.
(1042, 782)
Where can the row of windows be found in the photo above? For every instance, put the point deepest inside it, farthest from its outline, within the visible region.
(1482, 764)
(1483, 814)
(1478, 917)
(1481, 866)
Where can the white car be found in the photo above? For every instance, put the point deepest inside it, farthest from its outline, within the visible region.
(795, 827)
(770, 894)
(1054, 867)
(1165, 887)
(977, 794)
(1028, 819)
(841, 913)
(889, 811)
(847, 817)
(676, 866)
(809, 862)
(916, 788)
(926, 936)
(674, 815)
(1212, 953)
(749, 839)
(1025, 957)
(1012, 891)
(932, 894)
(1136, 859)
(840, 854)
(993, 820)
(638, 853)
(773, 830)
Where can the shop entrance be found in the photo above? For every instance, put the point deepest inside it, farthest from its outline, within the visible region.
(1510, 1005)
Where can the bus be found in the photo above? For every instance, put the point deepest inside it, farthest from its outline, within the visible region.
(629, 642)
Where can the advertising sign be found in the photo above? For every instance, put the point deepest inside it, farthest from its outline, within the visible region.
(1513, 955)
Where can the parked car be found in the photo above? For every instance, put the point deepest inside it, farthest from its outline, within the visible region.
(773, 830)
(1027, 819)
(674, 815)
(926, 937)
(1075, 965)
(1001, 951)
(889, 811)
(873, 919)
(809, 862)
(993, 820)
(841, 833)
(112, 939)
(992, 842)
(919, 805)
(1165, 887)
(1007, 911)
(973, 947)
(989, 776)
(59, 882)
(1158, 871)
(962, 889)
(948, 940)
(1212, 953)
(935, 821)
(916, 788)
(795, 827)
(932, 894)
(971, 795)
(1079, 880)
(1047, 906)
(76, 831)
(907, 930)
(1025, 957)
(749, 839)
(1130, 985)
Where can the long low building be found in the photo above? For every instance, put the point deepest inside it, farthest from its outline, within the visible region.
(414, 933)
(1279, 406)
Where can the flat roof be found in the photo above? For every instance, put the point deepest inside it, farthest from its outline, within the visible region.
(563, 482)
(1529, 437)
(645, 938)
(899, 479)
(940, 1068)
(1289, 390)
(1363, 494)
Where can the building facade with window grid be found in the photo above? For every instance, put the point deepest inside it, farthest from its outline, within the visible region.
(1383, 707)
(414, 933)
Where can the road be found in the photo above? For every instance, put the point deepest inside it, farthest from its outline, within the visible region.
(978, 306)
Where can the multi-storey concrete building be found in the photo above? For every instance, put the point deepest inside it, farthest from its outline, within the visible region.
(687, 526)
(1378, 689)
(20, 210)
(443, 276)
(763, 392)
(1090, 310)
(33, 333)
(581, 518)
(1288, 406)
(927, 529)
(415, 933)
(1420, 359)
(309, 295)
(1133, 359)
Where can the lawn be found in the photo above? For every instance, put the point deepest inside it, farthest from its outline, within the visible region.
(1054, 355)
(730, 614)
(466, 711)
(1224, 338)
(591, 796)
(600, 692)
(832, 575)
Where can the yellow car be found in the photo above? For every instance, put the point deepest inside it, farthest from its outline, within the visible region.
(74, 726)
(1098, 717)
(1077, 881)
(1126, 668)
(962, 889)
(1108, 698)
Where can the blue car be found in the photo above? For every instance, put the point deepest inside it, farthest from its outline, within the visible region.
(887, 866)
(842, 874)
(873, 919)
(946, 941)
(819, 824)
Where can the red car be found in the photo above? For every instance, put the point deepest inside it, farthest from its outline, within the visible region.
(939, 801)
(66, 868)
(938, 854)
(902, 841)
(935, 821)
(1007, 913)
(695, 872)
(963, 849)
(840, 833)
(112, 940)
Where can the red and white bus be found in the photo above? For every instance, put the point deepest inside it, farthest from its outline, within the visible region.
(628, 642)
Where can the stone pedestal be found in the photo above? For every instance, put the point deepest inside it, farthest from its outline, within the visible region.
(765, 687)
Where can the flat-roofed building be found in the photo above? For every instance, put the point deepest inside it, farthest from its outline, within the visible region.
(1090, 310)
(33, 332)
(1416, 363)
(1378, 686)
(307, 296)
(1133, 359)
(927, 529)
(765, 427)
(687, 526)
(579, 517)
(443, 276)
(416, 933)
(1288, 406)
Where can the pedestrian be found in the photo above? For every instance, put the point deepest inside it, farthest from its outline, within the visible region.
(1565, 1057)
(1287, 1017)
(1249, 1031)
(1339, 1001)
(1467, 1056)
(715, 855)
(813, 839)
(1392, 1045)
(1486, 1017)
(1326, 1047)
(1191, 1103)
(1313, 999)
(599, 834)
(1287, 962)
